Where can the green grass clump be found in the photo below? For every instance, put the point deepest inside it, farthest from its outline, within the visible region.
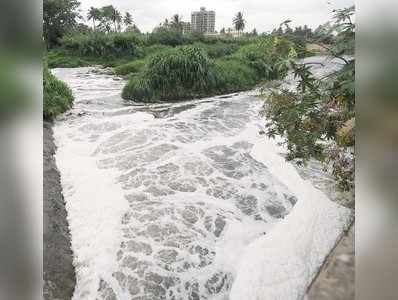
(135, 66)
(138, 88)
(173, 74)
(57, 96)
(231, 74)
(59, 58)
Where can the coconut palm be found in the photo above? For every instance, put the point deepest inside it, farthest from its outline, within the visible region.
(239, 22)
(176, 22)
(128, 19)
(106, 17)
(111, 15)
(94, 14)
(116, 18)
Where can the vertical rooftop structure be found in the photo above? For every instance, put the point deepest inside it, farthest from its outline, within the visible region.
(203, 21)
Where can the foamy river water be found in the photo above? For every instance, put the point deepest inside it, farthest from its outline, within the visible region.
(185, 200)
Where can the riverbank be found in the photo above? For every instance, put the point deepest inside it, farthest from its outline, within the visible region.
(58, 270)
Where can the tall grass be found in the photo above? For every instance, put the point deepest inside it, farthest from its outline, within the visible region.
(218, 49)
(187, 71)
(132, 67)
(57, 96)
(172, 75)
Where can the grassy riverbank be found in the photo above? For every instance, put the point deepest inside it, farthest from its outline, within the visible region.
(186, 72)
(57, 96)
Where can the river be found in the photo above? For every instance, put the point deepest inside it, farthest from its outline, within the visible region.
(178, 200)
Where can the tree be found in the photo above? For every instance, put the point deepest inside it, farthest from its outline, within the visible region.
(81, 28)
(110, 15)
(59, 17)
(239, 22)
(128, 19)
(94, 14)
(132, 28)
(176, 22)
(166, 23)
(254, 32)
(222, 31)
(116, 18)
(106, 18)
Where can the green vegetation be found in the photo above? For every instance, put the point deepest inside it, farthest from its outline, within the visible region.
(57, 97)
(133, 67)
(171, 75)
(59, 17)
(318, 119)
(188, 71)
(239, 22)
(103, 45)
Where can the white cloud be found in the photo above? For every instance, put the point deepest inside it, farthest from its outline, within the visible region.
(264, 15)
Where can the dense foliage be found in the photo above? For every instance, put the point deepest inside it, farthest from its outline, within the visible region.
(189, 71)
(172, 75)
(57, 97)
(318, 118)
(100, 44)
(59, 17)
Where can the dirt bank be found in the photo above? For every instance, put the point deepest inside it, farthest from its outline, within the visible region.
(58, 270)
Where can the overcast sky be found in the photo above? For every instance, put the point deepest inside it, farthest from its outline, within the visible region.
(264, 15)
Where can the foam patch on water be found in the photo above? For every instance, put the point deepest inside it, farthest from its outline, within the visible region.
(282, 264)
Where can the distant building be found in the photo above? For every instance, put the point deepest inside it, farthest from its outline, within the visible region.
(233, 32)
(186, 27)
(203, 21)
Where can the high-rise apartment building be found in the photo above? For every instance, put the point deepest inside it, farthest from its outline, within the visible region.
(203, 21)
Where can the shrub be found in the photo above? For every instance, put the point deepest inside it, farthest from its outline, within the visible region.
(218, 49)
(173, 74)
(102, 44)
(57, 97)
(131, 67)
(59, 58)
(231, 74)
(268, 56)
(138, 88)
(156, 48)
(166, 36)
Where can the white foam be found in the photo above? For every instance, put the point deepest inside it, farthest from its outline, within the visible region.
(95, 205)
(282, 264)
(95, 150)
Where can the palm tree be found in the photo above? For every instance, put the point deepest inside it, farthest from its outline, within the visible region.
(128, 20)
(106, 17)
(112, 14)
(94, 14)
(239, 22)
(176, 22)
(117, 19)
